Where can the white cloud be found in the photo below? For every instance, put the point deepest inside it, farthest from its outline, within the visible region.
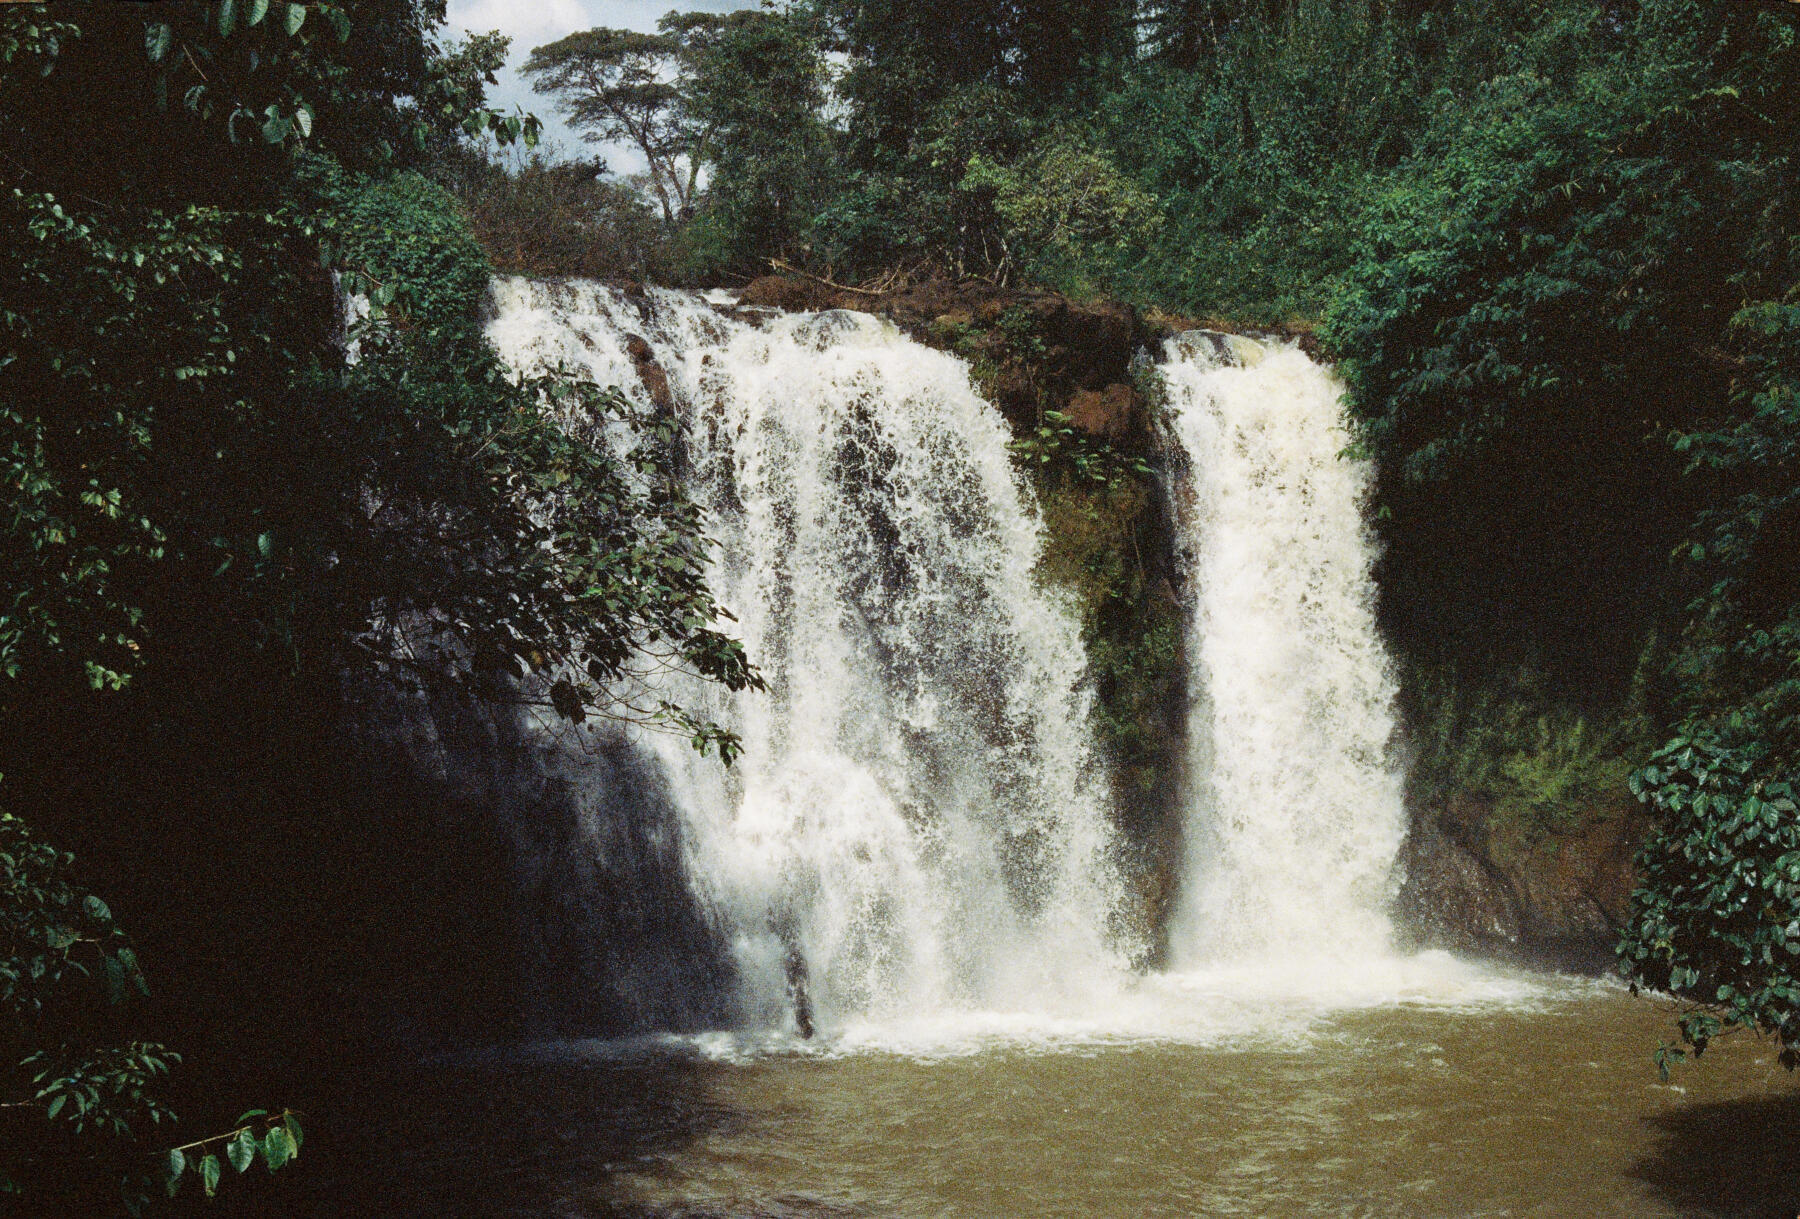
(529, 25)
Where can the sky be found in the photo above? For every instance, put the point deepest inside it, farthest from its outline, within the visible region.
(532, 23)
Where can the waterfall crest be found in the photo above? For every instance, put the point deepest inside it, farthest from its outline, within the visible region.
(1295, 810)
(917, 816)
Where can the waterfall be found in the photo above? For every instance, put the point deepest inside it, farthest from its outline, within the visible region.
(916, 823)
(1294, 813)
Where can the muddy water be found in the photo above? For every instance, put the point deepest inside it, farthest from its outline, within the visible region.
(1546, 1106)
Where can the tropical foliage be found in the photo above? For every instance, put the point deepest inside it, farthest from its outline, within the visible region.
(213, 484)
(1569, 341)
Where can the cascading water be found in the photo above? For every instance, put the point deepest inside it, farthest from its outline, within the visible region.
(913, 849)
(1295, 805)
(914, 825)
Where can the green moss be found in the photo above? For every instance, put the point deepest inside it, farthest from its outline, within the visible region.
(1104, 546)
(1107, 547)
(1093, 546)
(1544, 768)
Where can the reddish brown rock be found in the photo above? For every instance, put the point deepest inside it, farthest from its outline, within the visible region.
(1557, 900)
(1454, 898)
(1015, 392)
(1040, 348)
(655, 380)
(1108, 412)
(789, 292)
(1581, 889)
(1097, 343)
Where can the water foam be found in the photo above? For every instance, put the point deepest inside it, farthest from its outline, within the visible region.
(1284, 1009)
(917, 814)
(1295, 813)
(918, 811)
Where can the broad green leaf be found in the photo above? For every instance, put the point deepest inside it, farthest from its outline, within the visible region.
(241, 1151)
(257, 10)
(276, 1148)
(209, 1174)
(158, 38)
(114, 969)
(296, 16)
(227, 16)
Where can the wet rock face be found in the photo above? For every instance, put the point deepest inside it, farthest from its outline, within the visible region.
(1559, 900)
(655, 380)
(1452, 898)
(586, 925)
(1081, 365)
(1109, 412)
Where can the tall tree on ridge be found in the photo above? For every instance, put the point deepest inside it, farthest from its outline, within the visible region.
(618, 85)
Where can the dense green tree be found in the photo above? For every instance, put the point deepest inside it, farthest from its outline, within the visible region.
(1569, 335)
(1544, 299)
(458, 73)
(536, 215)
(905, 56)
(210, 495)
(1268, 129)
(1063, 201)
(915, 92)
(1515, 331)
(1718, 907)
(756, 83)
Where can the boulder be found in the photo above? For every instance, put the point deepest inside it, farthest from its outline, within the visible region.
(1014, 392)
(1576, 888)
(1451, 898)
(1557, 900)
(1096, 343)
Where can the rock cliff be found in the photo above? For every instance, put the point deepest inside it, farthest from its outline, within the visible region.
(1042, 349)
(1556, 900)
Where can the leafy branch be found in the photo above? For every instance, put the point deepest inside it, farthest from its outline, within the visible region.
(273, 1139)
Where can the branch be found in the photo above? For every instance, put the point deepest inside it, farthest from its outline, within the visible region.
(782, 264)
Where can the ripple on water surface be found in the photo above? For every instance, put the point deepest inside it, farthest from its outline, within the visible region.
(1410, 1087)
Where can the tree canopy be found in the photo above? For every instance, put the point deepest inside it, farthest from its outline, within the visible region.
(210, 485)
(615, 84)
